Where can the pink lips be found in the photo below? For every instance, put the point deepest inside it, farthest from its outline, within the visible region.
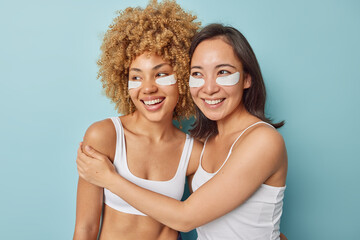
(153, 103)
(216, 105)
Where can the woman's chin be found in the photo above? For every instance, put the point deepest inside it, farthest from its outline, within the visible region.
(213, 116)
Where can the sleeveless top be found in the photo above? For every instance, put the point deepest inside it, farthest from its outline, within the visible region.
(173, 188)
(257, 218)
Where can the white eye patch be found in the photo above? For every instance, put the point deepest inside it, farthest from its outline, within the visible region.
(228, 80)
(165, 81)
(133, 84)
(196, 82)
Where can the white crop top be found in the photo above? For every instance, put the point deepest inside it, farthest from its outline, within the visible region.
(173, 188)
(257, 218)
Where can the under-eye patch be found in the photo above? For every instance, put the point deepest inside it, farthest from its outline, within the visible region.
(133, 84)
(228, 80)
(165, 81)
(196, 82)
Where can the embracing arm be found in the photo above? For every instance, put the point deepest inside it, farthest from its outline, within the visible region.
(245, 171)
(89, 196)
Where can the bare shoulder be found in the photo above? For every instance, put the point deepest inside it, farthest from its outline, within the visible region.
(261, 149)
(265, 143)
(196, 151)
(197, 147)
(195, 157)
(265, 136)
(101, 136)
(100, 130)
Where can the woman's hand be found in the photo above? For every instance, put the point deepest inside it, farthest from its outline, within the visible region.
(94, 167)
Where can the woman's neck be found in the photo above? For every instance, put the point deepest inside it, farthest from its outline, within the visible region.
(155, 130)
(238, 120)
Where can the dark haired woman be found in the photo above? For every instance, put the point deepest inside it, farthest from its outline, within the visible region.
(240, 181)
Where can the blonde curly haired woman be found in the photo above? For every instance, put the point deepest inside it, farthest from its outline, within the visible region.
(144, 69)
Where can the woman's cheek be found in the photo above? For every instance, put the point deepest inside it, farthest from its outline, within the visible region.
(133, 93)
(194, 92)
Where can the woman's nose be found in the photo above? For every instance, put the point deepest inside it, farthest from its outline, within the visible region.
(210, 87)
(149, 86)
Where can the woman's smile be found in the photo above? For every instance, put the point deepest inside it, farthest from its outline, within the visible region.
(214, 60)
(154, 101)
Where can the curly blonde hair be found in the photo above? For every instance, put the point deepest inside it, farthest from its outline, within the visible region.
(161, 28)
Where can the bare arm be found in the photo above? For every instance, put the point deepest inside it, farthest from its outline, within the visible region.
(88, 210)
(89, 196)
(251, 164)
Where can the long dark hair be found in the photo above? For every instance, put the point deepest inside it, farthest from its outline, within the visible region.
(253, 98)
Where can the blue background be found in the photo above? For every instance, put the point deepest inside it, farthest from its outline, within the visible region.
(309, 54)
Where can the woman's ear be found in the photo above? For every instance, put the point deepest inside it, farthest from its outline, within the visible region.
(247, 80)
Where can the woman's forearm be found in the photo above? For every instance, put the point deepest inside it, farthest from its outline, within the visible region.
(166, 210)
(88, 210)
(86, 233)
(228, 189)
(98, 170)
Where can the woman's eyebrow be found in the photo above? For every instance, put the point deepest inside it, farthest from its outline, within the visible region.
(135, 69)
(217, 66)
(154, 68)
(225, 65)
(196, 67)
(160, 65)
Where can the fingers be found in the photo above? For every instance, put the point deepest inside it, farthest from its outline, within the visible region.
(79, 151)
(83, 157)
(94, 154)
(82, 161)
(80, 165)
(80, 171)
(83, 169)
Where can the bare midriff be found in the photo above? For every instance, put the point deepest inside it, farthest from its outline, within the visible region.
(124, 226)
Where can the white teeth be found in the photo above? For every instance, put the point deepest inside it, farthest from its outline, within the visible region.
(152, 102)
(212, 102)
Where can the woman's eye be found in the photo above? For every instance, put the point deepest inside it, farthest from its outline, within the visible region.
(161, 75)
(222, 72)
(196, 74)
(135, 78)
